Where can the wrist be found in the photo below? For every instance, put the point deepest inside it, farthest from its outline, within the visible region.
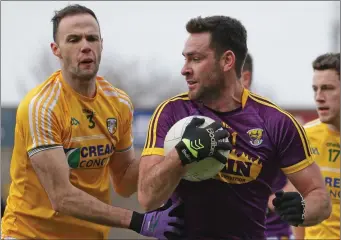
(183, 154)
(136, 222)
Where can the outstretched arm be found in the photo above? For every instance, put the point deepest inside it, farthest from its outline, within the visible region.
(158, 178)
(53, 172)
(124, 171)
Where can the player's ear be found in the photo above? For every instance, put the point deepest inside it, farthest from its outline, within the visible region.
(101, 44)
(228, 60)
(246, 79)
(55, 50)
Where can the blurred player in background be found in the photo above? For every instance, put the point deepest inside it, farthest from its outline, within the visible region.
(73, 134)
(276, 228)
(324, 137)
(265, 139)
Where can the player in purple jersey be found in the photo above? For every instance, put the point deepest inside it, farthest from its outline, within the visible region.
(265, 139)
(276, 228)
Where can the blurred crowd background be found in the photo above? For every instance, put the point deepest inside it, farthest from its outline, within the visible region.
(143, 42)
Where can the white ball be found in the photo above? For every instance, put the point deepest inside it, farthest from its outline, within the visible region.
(198, 171)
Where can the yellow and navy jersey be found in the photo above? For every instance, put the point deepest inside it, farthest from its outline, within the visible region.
(266, 140)
(89, 130)
(325, 147)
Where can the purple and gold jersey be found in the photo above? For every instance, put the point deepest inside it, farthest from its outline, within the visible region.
(266, 140)
(275, 227)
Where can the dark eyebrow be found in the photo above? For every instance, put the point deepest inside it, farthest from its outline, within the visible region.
(189, 54)
(79, 35)
(73, 35)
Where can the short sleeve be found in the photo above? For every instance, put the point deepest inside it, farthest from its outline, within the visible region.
(292, 144)
(38, 118)
(126, 128)
(159, 125)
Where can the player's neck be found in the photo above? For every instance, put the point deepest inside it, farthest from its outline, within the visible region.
(230, 98)
(86, 88)
(335, 127)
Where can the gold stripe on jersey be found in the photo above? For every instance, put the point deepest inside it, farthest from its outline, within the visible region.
(296, 167)
(40, 114)
(245, 96)
(147, 142)
(151, 136)
(151, 121)
(153, 151)
(289, 115)
(155, 118)
(299, 128)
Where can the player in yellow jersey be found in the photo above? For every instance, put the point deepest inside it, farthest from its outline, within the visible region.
(73, 133)
(324, 137)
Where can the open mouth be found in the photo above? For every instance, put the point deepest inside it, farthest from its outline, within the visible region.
(322, 109)
(191, 83)
(86, 61)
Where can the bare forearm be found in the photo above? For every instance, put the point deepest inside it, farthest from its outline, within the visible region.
(81, 205)
(128, 183)
(317, 207)
(161, 181)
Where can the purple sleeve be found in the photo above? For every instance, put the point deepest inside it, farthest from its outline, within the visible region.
(159, 125)
(291, 142)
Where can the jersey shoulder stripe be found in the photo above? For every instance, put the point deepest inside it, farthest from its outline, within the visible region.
(111, 91)
(151, 135)
(40, 113)
(298, 126)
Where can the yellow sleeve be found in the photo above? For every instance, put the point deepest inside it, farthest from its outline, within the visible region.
(126, 129)
(37, 117)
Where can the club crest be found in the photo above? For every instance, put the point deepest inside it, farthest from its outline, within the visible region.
(256, 136)
(112, 125)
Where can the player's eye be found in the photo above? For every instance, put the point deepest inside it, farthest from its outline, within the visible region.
(92, 38)
(73, 39)
(327, 87)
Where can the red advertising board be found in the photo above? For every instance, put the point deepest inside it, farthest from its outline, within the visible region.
(304, 115)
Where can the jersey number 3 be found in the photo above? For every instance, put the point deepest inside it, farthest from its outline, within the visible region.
(91, 121)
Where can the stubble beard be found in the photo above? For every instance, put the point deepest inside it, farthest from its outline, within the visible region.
(211, 92)
(85, 75)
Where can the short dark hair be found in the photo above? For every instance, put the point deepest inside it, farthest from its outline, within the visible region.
(248, 64)
(226, 34)
(69, 10)
(327, 61)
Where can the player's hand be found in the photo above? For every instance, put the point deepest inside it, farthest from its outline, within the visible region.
(199, 143)
(290, 206)
(165, 222)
